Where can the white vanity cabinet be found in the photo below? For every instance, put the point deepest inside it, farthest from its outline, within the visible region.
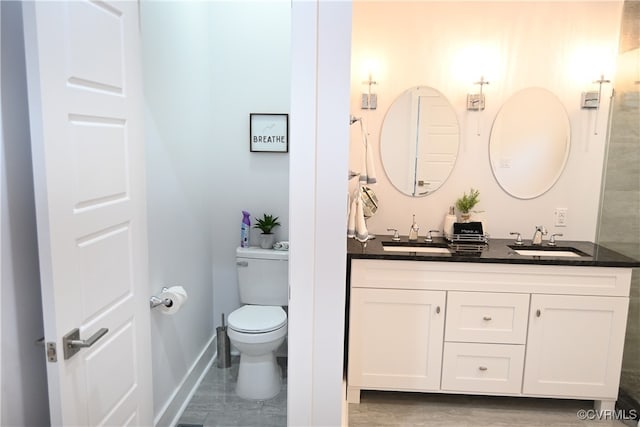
(485, 328)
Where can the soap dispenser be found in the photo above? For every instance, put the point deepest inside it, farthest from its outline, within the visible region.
(449, 220)
(413, 231)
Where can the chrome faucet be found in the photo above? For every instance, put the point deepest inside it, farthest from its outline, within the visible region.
(519, 241)
(413, 230)
(429, 237)
(537, 235)
(396, 236)
(552, 239)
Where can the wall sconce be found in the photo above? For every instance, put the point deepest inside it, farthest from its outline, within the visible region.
(591, 100)
(475, 101)
(369, 99)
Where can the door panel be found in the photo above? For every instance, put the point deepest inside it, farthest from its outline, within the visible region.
(395, 339)
(85, 100)
(100, 149)
(96, 46)
(575, 346)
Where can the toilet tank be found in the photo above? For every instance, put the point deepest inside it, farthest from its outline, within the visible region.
(263, 276)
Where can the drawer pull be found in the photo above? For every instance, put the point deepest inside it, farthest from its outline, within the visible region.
(438, 310)
(538, 313)
(482, 368)
(486, 318)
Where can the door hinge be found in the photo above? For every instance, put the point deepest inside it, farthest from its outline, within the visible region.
(52, 353)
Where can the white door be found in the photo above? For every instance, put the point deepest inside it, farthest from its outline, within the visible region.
(85, 101)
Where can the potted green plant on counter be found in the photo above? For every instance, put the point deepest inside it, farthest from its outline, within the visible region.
(466, 203)
(266, 224)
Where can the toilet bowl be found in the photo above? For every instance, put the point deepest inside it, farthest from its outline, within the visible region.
(257, 331)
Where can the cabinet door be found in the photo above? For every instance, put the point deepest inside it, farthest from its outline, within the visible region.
(395, 339)
(575, 346)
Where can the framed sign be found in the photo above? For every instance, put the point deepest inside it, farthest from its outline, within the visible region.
(269, 132)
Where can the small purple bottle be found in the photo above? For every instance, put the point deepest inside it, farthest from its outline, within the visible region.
(244, 230)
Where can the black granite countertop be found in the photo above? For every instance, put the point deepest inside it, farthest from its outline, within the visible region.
(496, 251)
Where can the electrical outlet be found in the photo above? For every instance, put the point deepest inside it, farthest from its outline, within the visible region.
(561, 217)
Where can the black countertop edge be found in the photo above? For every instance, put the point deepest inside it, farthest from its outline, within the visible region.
(496, 251)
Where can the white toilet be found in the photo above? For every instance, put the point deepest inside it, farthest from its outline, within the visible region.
(259, 327)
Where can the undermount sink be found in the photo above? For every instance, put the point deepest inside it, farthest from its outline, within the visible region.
(422, 247)
(548, 251)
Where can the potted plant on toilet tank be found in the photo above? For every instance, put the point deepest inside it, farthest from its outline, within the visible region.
(266, 224)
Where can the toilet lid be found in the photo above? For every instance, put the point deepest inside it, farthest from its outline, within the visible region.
(257, 318)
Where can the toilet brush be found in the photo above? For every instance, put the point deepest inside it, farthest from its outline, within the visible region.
(224, 346)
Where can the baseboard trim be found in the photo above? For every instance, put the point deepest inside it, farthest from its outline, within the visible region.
(173, 409)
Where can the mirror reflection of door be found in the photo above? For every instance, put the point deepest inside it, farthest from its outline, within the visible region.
(437, 142)
(419, 141)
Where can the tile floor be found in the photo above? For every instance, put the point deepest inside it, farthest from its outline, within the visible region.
(215, 404)
(441, 410)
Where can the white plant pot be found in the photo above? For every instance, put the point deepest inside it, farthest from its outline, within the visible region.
(267, 240)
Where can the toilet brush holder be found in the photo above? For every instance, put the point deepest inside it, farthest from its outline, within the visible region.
(224, 346)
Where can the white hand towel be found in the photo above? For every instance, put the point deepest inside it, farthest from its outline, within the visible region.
(362, 234)
(371, 171)
(351, 226)
(368, 171)
(363, 168)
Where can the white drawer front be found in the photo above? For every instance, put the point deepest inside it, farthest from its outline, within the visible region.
(486, 368)
(487, 317)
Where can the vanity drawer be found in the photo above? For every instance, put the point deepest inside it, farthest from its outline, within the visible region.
(487, 317)
(486, 368)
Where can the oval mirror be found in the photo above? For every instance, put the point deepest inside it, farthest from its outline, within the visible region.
(419, 141)
(529, 143)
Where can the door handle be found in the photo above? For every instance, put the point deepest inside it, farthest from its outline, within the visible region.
(73, 344)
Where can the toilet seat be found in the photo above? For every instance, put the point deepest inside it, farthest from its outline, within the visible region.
(257, 319)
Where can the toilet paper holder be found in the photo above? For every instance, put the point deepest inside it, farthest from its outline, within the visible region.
(155, 301)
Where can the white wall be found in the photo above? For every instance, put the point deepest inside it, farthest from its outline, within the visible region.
(523, 44)
(207, 65)
(24, 400)
(178, 148)
(249, 49)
